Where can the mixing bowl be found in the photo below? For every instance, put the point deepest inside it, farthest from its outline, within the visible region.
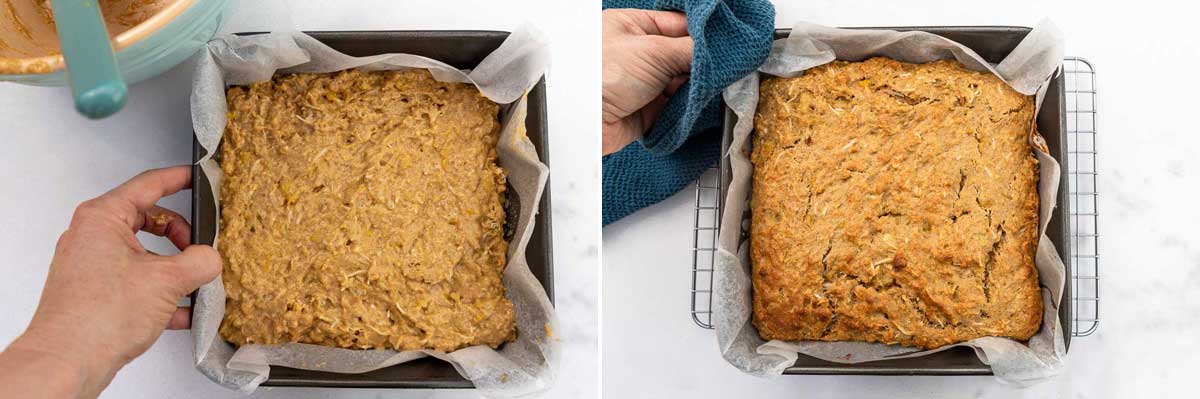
(150, 36)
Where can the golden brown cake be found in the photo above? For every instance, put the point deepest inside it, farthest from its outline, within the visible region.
(363, 210)
(894, 203)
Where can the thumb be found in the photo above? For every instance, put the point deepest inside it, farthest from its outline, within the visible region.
(672, 54)
(649, 114)
(196, 265)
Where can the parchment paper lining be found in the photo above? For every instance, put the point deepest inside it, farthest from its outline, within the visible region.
(523, 367)
(1028, 69)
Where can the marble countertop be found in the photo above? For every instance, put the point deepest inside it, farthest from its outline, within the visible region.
(1150, 287)
(53, 159)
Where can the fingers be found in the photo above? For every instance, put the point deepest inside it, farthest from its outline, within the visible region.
(145, 189)
(622, 131)
(195, 266)
(675, 84)
(672, 54)
(663, 23)
(620, 134)
(181, 319)
(650, 113)
(617, 135)
(164, 222)
(184, 273)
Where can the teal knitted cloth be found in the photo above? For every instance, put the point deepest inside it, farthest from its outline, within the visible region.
(731, 38)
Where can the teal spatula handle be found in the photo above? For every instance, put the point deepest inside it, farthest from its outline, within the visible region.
(92, 70)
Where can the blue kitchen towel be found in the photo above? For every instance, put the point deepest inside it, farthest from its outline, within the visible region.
(731, 38)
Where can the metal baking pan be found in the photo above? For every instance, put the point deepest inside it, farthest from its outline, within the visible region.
(992, 43)
(462, 49)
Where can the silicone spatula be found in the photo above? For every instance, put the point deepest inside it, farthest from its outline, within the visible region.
(92, 70)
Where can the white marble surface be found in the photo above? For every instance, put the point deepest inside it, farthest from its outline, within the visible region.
(1146, 345)
(53, 159)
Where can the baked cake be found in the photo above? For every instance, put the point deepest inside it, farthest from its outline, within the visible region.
(894, 203)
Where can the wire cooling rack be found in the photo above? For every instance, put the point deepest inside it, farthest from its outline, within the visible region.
(1080, 79)
(1081, 157)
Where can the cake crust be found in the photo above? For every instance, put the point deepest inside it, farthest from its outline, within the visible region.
(363, 210)
(894, 203)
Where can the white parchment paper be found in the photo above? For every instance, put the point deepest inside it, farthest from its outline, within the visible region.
(519, 368)
(1028, 69)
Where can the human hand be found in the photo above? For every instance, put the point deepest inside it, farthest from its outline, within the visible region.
(107, 298)
(647, 55)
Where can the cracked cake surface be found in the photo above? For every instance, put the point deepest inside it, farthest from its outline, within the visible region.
(894, 203)
(363, 210)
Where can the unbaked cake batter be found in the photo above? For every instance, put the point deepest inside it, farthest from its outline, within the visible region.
(363, 210)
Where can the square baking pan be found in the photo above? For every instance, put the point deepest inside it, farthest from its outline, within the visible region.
(992, 43)
(463, 50)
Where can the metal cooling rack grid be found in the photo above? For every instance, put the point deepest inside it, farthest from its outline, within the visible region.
(1080, 79)
(1084, 195)
(704, 244)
